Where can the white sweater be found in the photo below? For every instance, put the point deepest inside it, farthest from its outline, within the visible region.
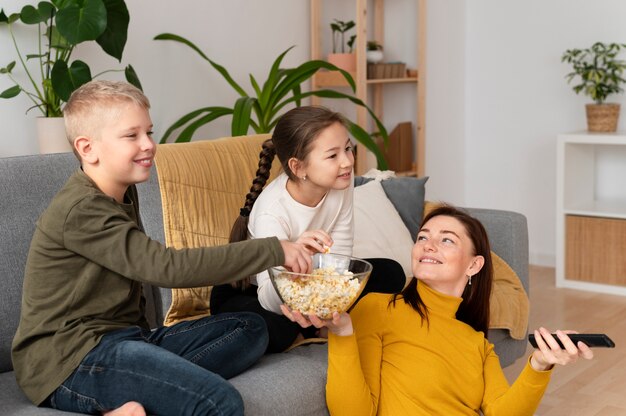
(276, 213)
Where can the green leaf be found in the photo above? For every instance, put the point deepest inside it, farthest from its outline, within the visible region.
(190, 116)
(79, 24)
(3, 17)
(11, 92)
(34, 56)
(131, 76)
(241, 116)
(65, 80)
(365, 139)
(218, 68)
(113, 39)
(33, 16)
(187, 134)
(30, 16)
(8, 68)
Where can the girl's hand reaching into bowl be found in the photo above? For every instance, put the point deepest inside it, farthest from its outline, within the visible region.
(317, 241)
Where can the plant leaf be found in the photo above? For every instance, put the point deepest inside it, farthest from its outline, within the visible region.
(79, 24)
(218, 68)
(3, 17)
(366, 140)
(11, 92)
(65, 80)
(113, 39)
(131, 76)
(241, 116)
(190, 116)
(8, 68)
(187, 134)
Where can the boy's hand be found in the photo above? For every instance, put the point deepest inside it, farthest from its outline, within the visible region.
(297, 257)
(316, 240)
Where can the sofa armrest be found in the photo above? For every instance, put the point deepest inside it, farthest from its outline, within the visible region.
(508, 235)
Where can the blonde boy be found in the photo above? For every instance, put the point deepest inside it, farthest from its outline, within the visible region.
(83, 343)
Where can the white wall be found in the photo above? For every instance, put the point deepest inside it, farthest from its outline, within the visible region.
(241, 35)
(499, 151)
(496, 93)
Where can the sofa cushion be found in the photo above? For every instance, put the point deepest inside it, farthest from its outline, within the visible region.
(378, 228)
(407, 196)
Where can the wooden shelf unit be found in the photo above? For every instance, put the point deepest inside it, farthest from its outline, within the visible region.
(591, 212)
(365, 87)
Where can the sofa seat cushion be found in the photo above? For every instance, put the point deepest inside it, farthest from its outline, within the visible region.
(295, 380)
(13, 401)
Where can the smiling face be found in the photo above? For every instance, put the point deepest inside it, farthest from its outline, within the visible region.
(443, 255)
(329, 163)
(123, 152)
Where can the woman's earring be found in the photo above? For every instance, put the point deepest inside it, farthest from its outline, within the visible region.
(304, 178)
(469, 282)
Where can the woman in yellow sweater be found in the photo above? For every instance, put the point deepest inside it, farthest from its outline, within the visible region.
(424, 351)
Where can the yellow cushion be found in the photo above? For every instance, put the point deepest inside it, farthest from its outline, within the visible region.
(203, 185)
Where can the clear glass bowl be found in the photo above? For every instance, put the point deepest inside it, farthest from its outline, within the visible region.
(335, 284)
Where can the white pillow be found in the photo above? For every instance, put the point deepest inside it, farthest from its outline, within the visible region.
(378, 228)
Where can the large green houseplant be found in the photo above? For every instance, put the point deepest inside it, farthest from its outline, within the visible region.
(61, 25)
(261, 109)
(600, 74)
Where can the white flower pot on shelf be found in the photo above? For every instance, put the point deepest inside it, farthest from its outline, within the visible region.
(51, 135)
(374, 57)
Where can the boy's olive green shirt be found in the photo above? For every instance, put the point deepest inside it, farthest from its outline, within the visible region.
(86, 265)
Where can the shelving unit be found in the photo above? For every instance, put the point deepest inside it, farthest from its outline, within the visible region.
(591, 212)
(365, 87)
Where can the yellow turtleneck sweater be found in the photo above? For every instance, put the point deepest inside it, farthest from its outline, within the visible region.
(394, 364)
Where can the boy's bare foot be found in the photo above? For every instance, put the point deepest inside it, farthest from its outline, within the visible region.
(127, 409)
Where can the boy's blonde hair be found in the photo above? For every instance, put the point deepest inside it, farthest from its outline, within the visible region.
(95, 103)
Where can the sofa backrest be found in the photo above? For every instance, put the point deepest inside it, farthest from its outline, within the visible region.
(27, 184)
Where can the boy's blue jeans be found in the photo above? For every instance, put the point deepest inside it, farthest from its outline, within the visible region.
(177, 370)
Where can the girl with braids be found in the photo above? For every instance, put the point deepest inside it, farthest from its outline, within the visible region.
(310, 202)
(424, 351)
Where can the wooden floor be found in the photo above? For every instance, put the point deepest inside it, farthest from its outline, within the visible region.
(585, 388)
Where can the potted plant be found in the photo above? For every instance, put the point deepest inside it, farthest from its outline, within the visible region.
(600, 72)
(339, 57)
(61, 25)
(374, 52)
(262, 109)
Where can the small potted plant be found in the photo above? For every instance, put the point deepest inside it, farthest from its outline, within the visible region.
(374, 52)
(601, 74)
(51, 75)
(339, 57)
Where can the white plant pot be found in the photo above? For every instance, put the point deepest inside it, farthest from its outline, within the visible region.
(374, 57)
(51, 135)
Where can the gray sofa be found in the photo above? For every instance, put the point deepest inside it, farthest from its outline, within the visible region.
(281, 384)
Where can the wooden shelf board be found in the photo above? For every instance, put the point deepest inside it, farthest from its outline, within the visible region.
(336, 79)
(391, 80)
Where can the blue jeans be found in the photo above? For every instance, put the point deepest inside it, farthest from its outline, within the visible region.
(177, 370)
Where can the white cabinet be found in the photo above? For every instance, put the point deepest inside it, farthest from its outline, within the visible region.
(591, 212)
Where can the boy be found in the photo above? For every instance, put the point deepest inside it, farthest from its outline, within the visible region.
(83, 343)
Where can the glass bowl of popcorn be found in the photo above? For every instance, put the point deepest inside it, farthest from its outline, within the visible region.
(334, 284)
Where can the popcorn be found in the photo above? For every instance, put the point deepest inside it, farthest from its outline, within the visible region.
(323, 292)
